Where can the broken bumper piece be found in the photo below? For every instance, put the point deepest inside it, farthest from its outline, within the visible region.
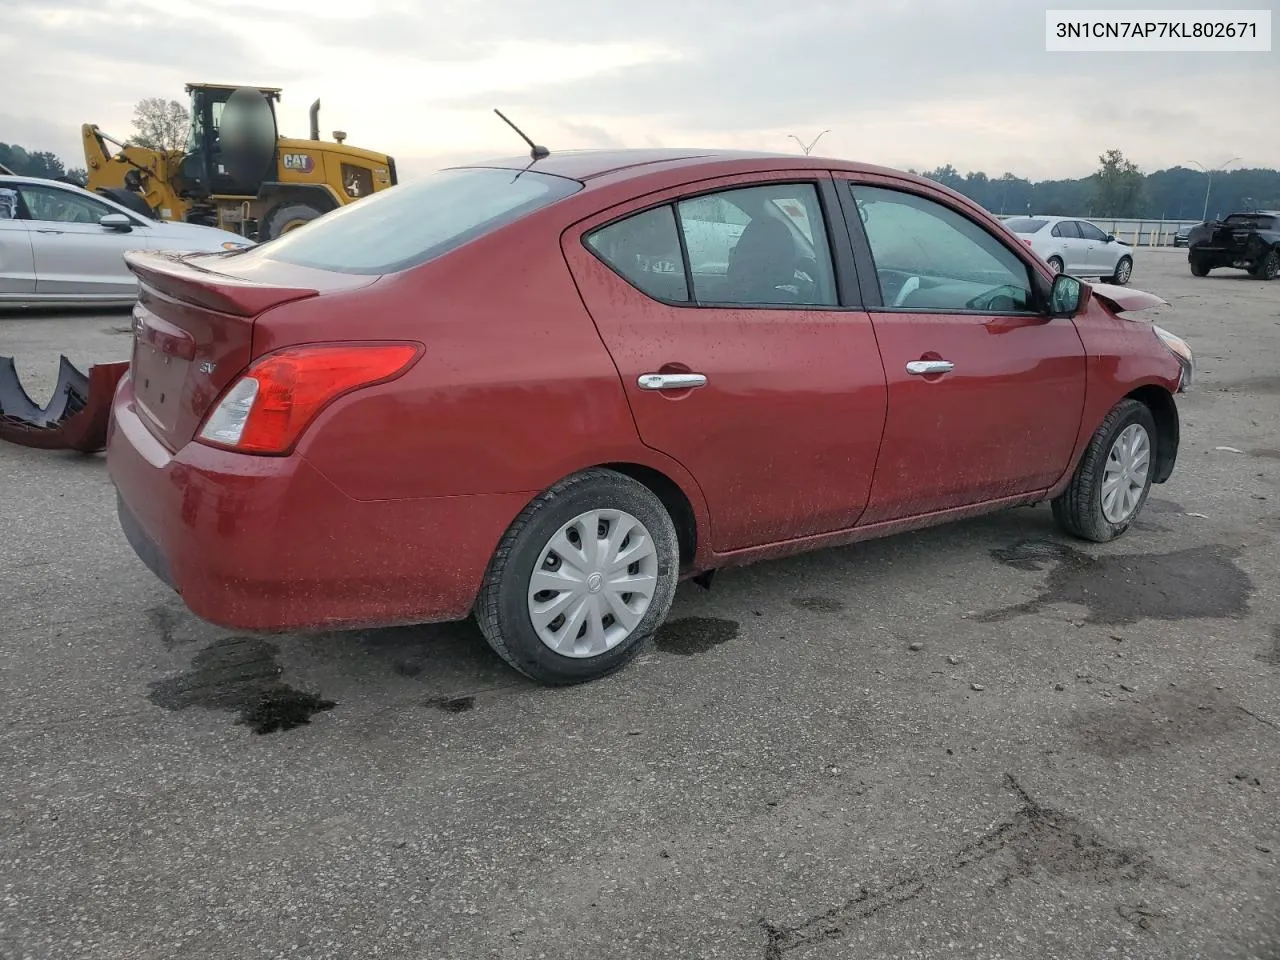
(77, 416)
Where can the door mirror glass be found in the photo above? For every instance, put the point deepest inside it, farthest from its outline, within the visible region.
(1066, 297)
(115, 221)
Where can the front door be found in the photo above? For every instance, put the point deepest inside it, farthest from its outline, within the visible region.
(75, 256)
(1102, 252)
(743, 355)
(985, 394)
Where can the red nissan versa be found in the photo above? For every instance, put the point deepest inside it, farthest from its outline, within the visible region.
(542, 396)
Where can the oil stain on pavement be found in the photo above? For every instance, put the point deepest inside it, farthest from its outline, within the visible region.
(1272, 656)
(691, 635)
(1168, 718)
(1036, 840)
(1125, 588)
(818, 604)
(453, 704)
(240, 674)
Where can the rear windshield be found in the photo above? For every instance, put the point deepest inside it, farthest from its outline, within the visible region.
(1024, 224)
(409, 224)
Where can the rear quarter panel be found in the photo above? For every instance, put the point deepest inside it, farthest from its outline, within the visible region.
(515, 389)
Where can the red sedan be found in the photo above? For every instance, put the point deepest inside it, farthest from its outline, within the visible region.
(544, 393)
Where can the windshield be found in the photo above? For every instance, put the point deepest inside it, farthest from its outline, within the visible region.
(1024, 224)
(409, 224)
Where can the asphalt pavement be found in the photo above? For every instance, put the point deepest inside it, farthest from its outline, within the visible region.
(982, 740)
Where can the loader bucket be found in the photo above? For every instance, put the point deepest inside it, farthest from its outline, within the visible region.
(75, 418)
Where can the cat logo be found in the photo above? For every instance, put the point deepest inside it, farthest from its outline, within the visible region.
(302, 162)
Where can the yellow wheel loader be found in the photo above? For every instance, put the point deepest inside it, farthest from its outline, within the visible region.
(237, 172)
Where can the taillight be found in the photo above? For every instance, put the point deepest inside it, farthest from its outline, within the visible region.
(266, 409)
(1027, 242)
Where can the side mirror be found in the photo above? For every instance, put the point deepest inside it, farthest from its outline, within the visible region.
(1067, 296)
(1111, 238)
(116, 221)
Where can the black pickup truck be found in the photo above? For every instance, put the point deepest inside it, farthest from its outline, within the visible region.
(1246, 241)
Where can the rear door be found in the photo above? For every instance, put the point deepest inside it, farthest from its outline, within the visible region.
(985, 393)
(75, 256)
(1074, 254)
(733, 317)
(17, 262)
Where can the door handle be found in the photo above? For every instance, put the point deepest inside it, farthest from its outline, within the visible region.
(670, 381)
(919, 368)
(49, 231)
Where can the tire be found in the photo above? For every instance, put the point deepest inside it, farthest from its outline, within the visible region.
(1055, 264)
(1080, 509)
(504, 606)
(1199, 266)
(284, 217)
(1268, 267)
(1124, 270)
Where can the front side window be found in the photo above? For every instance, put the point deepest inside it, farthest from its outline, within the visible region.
(644, 249)
(766, 246)
(414, 222)
(1089, 232)
(930, 257)
(61, 206)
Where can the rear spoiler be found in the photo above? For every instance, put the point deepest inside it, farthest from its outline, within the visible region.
(173, 275)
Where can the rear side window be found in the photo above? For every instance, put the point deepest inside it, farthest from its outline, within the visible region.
(409, 224)
(1025, 224)
(1066, 229)
(645, 250)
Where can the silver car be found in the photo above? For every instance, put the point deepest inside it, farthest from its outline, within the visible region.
(1075, 247)
(61, 245)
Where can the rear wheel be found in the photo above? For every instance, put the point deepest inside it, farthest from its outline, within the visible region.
(581, 579)
(1268, 267)
(1199, 266)
(1055, 264)
(1124, 270)
(1113, 477)
(286, 217)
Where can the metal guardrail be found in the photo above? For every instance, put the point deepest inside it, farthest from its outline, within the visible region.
(1136, 233)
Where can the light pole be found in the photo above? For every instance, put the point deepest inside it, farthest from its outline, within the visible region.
(1209, 185)
(811, 142)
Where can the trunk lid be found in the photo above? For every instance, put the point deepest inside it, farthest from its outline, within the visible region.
(193, 328)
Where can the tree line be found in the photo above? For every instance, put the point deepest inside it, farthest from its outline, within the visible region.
(158, 124)
(1119, 189)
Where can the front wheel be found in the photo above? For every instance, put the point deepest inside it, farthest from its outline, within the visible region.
(1113, 477)
(581, 579)
(1123, 271)
(1268, 267)
(1199, 266)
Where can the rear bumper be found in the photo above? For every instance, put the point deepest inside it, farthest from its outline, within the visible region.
(269, 544)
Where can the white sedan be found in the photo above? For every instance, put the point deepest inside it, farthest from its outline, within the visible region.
(61, 245)
(1075, 247)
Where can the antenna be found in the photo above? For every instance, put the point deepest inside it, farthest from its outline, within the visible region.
(535, 151)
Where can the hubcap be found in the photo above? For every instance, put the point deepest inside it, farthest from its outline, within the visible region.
(593, 583)
(1125, 476)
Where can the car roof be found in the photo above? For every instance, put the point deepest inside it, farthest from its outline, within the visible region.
(627, 164)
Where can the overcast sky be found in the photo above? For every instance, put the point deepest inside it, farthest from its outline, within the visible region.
(911, 83)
